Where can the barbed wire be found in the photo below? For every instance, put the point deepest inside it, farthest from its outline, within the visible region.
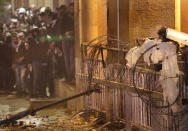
(94, 54)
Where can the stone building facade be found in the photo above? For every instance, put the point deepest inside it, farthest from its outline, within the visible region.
(140, 18)
(147, 16)
(137, 19)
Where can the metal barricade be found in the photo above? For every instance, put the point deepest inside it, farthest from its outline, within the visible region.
(117, 88)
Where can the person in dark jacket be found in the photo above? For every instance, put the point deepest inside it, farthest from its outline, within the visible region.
(19, 64)
(52, 61)
(68, 43)
(6, 75)
(39, 64)
(56, 31)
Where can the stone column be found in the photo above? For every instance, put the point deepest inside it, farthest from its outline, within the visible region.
(124, 20)
(178, 14)
(102, 17)
(112, 17)
(78, 40)
(183, 18)
(90, 22)
(113, 12)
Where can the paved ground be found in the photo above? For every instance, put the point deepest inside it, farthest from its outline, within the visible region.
(53, 119)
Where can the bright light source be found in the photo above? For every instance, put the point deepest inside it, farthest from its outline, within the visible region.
(177, 36)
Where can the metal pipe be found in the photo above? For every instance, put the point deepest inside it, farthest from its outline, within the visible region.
(32, 112)
(118, 29)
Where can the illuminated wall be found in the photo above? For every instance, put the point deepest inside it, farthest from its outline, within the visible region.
(140, 18)
(178, 15)
(184, 16)
(123, 19)
(90, 22)
(147, 16)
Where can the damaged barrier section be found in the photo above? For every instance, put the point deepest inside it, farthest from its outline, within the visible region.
(130, 98)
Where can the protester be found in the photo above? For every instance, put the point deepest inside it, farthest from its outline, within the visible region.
(19, 63)
(68, 42)
(6, 75)
(38, 49)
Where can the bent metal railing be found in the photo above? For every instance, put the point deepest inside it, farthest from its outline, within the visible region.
(120, 101)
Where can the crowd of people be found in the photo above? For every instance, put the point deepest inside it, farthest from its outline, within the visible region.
(36, 47)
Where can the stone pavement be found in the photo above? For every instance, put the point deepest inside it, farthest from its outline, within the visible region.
(52, 119)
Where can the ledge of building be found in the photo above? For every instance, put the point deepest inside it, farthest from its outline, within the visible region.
(64, 90)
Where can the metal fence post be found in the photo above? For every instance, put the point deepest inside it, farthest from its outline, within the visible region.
(128, 111)
(109, 109)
